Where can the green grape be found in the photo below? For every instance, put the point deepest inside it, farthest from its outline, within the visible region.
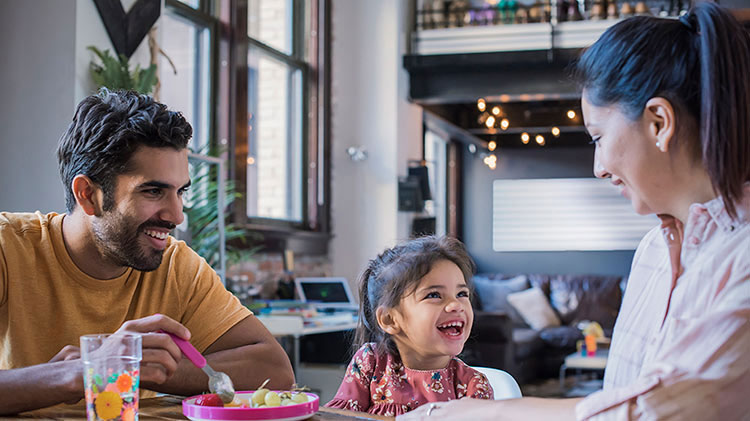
(300, 398)
(259, 396)
(272, 399)
(285, 402)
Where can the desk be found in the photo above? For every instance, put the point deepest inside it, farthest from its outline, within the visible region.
(170, 408)
(294, 326)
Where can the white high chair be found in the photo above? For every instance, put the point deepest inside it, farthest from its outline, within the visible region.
(503, 384)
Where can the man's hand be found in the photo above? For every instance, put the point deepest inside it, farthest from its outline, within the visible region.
(160, 355)
(69, 352)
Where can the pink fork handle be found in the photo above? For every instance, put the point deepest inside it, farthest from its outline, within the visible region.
(188, 350)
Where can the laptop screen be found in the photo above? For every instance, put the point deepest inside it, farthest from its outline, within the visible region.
(325, 292)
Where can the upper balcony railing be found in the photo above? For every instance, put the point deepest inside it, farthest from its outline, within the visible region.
(453, 27)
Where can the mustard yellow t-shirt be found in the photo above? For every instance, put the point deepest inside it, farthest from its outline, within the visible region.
(46, 302)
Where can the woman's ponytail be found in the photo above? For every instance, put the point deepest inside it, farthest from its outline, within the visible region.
(725, 100)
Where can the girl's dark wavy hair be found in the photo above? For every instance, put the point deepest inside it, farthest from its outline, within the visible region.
(395, 273)
(106, 130)
(701, 64)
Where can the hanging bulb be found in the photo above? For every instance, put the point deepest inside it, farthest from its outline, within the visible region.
(525, 138)
(571, 114)
(539, 139)
(490, 123)
(556, 131)
(504, 123)
(481, 105)
(491, 145)
(490, 161)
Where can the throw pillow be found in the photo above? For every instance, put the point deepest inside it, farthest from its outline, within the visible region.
(493, 295)
(533, 306)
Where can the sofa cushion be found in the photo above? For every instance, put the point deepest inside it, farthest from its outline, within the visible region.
(526, 343)
(560, 336)
(586, 297)
(493, 295)
(533, 306)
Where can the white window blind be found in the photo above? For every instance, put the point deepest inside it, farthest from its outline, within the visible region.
(560, 214)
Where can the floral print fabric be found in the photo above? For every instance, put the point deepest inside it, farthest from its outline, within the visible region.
(381, 384)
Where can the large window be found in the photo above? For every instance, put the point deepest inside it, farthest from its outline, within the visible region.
(279, 151)
(250, 76)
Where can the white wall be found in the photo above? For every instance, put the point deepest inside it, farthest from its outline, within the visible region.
(44, 74)
(37, 39)
(369, 109)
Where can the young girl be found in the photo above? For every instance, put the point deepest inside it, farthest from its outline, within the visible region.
(415, 316)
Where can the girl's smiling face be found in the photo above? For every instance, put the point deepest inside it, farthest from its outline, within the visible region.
(431, 324)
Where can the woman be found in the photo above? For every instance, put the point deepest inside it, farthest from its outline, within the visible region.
(666, 103)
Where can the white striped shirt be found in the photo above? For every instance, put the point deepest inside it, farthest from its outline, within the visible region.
(681, 343)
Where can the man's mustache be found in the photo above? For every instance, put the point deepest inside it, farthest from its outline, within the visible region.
(158, 224)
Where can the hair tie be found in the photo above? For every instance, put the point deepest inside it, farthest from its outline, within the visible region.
(688, 19)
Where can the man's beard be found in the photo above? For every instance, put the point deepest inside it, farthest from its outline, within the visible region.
(120, 242)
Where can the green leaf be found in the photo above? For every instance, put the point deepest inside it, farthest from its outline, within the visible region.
(114, 73)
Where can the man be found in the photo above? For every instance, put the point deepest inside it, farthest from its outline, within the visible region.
(108, 265)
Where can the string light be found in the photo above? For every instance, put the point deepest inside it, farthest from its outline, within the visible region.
(481, 105)
(504, 123)
(490, 161)
(250, 160)
(571, 114)
(556, 131)
(490, 123)
(525, 138)
(496, 110)
(539, 139)
(492, 145)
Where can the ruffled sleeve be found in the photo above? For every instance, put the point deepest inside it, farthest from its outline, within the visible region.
(479, 387)
(354, 392)
(471, 383)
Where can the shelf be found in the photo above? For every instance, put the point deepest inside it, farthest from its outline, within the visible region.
(507, 38)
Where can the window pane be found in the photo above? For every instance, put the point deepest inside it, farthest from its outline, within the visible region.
(192, 3)
(274, 161)
(435, 152)
(188, 90)
(270, 22)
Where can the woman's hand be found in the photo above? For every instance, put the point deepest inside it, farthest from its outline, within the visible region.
(462, 409)
(530, 409)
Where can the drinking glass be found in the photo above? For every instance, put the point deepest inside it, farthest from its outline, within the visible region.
(111, 375)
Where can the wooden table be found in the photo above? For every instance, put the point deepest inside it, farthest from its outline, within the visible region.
(170, 408)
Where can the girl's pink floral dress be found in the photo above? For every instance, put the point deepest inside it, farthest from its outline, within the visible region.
(382, 385)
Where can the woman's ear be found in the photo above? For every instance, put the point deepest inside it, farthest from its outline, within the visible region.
(388, 320)
(660, 120)
(88, 195)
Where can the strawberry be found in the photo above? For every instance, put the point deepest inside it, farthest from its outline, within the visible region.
(211, 399)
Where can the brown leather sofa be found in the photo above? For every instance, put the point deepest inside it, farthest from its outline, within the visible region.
(501, 339)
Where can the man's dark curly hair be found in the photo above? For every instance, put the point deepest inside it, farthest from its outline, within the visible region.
(106, 130)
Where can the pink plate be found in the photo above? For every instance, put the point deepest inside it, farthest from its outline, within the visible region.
(295, 412)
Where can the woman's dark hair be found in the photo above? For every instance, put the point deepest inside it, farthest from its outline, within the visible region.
(395, 273)
(701, 64)
(106, 130)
